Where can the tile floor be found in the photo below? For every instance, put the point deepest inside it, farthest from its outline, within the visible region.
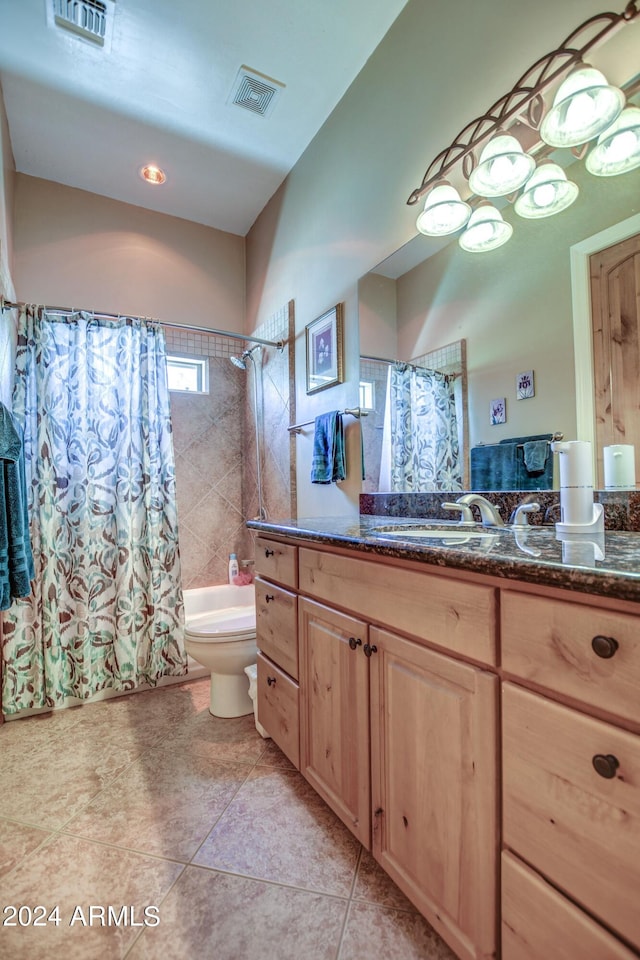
(148, 803)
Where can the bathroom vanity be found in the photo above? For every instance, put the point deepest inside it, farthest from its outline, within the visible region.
(470, 708)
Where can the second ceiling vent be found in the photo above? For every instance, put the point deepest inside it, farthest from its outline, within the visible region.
(255, 92)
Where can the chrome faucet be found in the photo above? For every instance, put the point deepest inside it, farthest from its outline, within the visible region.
(489, 514)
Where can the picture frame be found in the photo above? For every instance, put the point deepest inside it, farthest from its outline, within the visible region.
(498, 411)
(525, 386)
(324, 350)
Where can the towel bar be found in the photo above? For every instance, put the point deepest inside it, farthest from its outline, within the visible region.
(556, 436)
(356, 412)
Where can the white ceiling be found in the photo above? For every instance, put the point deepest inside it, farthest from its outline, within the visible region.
(90, 117)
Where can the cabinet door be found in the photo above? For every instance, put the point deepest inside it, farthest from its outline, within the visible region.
(434, 772)
(334, 712)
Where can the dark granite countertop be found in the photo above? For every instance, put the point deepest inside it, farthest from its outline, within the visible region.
(609, 566)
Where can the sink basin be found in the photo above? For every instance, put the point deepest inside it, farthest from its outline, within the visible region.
(438, 530)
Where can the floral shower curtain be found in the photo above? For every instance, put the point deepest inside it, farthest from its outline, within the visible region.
(106, 608)
(422, 431)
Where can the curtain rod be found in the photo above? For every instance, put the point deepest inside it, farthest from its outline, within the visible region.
(9, 305)
(452, 376)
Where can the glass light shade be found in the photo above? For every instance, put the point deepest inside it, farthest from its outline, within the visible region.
(618, 147)
(486, 230)
(546, 192)
(584, 106)
(444, 212)
(503, 168)
(153, 174)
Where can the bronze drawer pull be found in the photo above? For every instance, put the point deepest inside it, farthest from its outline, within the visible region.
(271, 681)
(604, 647)
(369, 649)
(268, 597)
(268, 553)
(353, 643)
(606, 766)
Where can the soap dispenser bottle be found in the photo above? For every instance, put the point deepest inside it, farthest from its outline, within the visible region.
(233, 567)
(580, 515)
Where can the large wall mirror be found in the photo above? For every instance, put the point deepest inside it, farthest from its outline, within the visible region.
(514, 309)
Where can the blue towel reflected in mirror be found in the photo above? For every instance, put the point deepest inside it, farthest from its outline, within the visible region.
(519, 463)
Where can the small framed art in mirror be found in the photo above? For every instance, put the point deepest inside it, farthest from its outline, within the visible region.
(324, 350)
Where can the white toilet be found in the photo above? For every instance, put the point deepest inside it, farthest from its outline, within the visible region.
(220, 634)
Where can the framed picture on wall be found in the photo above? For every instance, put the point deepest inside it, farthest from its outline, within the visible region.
(498, 411)
(324, 350)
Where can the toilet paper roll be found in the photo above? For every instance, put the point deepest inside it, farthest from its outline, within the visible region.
(619, 467)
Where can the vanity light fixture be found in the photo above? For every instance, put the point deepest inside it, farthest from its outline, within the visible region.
(546, 192)
(153, 174)
(444, 212)
(486, 230)
(584, 106)
(618, 147)
(503, 168)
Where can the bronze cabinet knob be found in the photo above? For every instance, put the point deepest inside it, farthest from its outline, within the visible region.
(605, 766)
(604, 647)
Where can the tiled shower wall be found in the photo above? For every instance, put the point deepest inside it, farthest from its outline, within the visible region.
(276, 379)
(215, 449)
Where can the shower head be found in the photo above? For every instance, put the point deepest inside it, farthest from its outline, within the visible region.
(241, 362)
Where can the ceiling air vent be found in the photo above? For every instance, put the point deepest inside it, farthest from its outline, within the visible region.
(89, 19)
(255, 92)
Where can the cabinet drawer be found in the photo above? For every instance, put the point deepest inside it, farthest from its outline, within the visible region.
(277, 625)
(277, 561)
(538, 922)
(580, 829)
(458, 616)
(556, 645)
(278, 708)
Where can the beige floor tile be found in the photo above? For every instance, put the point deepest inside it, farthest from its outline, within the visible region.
(164, 804)
(273, 756)
(375, 886)
(277, 828)
(16, 841)
(213, 915)
(387, 934)
(217, 739)
(68, 873)
(53, 782)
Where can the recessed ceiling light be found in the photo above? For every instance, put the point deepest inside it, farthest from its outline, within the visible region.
(153, 174)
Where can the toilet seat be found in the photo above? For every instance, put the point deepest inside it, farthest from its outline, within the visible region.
(232, 623)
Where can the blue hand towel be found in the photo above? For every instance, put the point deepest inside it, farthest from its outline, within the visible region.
(16, 558)
(494, 467)
(328, 464)
(535, 454)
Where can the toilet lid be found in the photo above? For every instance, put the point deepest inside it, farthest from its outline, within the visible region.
(228, 624)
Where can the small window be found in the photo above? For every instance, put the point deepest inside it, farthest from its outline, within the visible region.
(367, 395)
(188, 374)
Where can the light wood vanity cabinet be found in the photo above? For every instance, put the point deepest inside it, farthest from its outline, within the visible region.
(519, 846)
